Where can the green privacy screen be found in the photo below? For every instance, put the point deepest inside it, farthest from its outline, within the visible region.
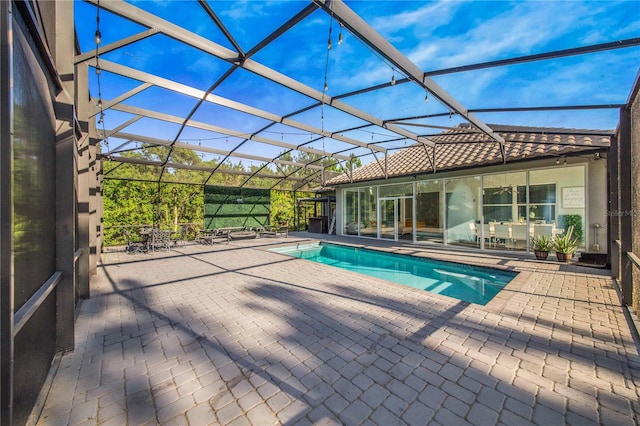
(234, 207)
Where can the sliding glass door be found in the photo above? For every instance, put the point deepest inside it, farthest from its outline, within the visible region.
(463, 213)
(396, 215)
(405, 218)
(430, 211)
(388, 215)
(504, 203)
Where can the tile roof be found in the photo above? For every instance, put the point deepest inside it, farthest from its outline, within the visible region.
(465, 147)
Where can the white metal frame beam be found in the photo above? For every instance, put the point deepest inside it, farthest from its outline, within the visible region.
(372, 38)
(183, 89)
(182, 145)
(116, 45)
(217, 129)
(108, 104)
(160, 164)
(149, 20)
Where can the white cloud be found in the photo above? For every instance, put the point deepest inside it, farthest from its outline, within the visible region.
(516, 31)
(423, 54)
(429, 15)
(314, 22)
(445, 34)
(520, 30)
(593, 80)
(161, 3)
(244, 9)
(204, 66)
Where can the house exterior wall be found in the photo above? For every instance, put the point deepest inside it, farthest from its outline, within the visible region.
(598, 205)
(590, 178)
(634, 172)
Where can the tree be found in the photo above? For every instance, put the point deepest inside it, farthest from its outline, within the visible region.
(138, 194)
(282, 207)
(133, 194)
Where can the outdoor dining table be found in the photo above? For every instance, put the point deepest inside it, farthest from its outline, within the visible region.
(145, 237)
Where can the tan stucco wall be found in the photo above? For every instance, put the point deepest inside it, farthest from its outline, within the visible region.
(597, 202)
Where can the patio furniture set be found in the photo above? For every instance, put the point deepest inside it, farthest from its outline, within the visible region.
(514, 235)
(211, 236)
(150, 240)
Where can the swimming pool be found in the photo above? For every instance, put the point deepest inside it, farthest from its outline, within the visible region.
(468, 283)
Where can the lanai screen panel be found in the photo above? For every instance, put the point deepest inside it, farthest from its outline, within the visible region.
(236, 207)
(313, 80)
(34, 219)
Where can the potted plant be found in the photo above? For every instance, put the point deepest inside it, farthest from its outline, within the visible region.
(542, 245)
(565, 245)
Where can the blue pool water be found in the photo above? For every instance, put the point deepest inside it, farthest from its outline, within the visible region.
(468, 283)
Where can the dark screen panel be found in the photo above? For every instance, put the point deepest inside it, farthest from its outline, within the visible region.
(34, 218)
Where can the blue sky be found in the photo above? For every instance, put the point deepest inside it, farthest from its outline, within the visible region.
(432, 34)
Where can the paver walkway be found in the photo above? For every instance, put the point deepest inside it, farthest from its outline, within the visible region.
(237, 335)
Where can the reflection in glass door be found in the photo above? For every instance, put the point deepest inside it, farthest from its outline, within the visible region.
(405, 218)
(388, 222)
(396, 218)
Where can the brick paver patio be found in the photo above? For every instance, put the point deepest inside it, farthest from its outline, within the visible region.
(237, 335)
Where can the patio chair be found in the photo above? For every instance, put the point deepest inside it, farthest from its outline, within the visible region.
(502, 234)
(545, 229)
(519, 235)
(220, 235)
(132, 246)
(210, 236)
(274, 231)
(181, 236)
(489, 233)
(160, 239)
(283, 231)
(203, 236)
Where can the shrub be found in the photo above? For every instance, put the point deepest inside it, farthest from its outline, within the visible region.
(542, 243)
